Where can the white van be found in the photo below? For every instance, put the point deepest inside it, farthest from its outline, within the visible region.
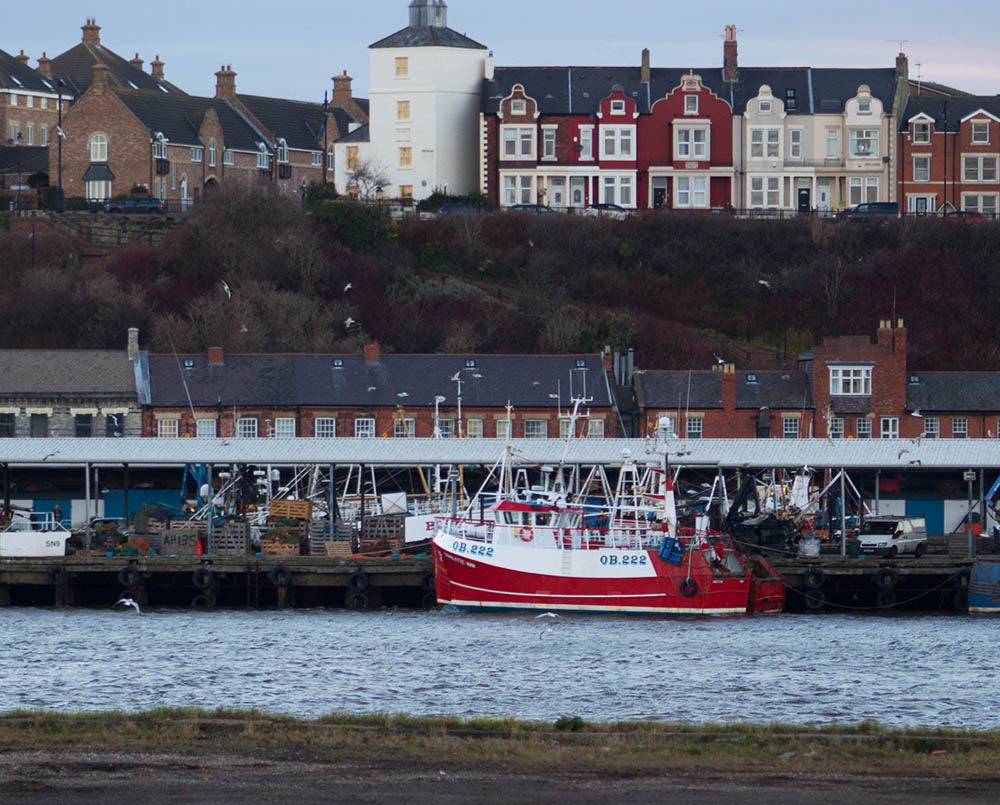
(894, 535)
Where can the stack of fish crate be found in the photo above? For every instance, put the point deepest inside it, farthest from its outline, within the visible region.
(232, 539)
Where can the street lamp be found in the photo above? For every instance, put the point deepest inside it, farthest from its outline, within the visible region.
(20, 178)
(59, 137)
(326, 127)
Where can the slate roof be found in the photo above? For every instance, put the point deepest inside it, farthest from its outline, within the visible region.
(787, 390)
(26, 159)
(300, 123)
(953, 391)
(179, 117)
(359, 135)
(14, 75)
(76, 65)
(65, 372)
(948, 112)
(427, 36)
(579, 90)
(412, 381)
(670, 390)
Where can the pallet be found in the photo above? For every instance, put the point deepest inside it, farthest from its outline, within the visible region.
(231, 539)
(338, 548)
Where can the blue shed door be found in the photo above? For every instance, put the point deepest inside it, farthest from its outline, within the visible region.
(931, 510)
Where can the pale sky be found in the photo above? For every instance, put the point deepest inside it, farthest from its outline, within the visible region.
(292, 48)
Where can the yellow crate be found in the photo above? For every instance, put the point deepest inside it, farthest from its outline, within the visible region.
(291, 509)
(274, 548)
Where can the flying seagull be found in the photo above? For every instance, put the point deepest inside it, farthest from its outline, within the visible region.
(348, 322)
(129, 602)
(348, 287)
(226, 288)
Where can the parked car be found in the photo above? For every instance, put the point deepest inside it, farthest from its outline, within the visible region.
(458, 209)
(890, 536)
(963, 215)
(137, 205)
(607, 211)
(538, 209)
(873, 209)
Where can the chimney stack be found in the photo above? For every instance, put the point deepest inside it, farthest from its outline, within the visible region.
(133, 342)
(342, 89)
(45, 65)
(136, 62)
(902, 66)
(225, 83)
(92, 32)
(372, 352)
(730, 60)
(21, 57)
(157, 67)
(99, 83)
(645, 72)
(491, 66)
(216, 356)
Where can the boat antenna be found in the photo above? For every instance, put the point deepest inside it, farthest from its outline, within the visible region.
(187, 391)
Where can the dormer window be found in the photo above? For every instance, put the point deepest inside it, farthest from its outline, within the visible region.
(864, 106)
(751, 378)
(581, 363)
(519, 107)
(980, 132)
(922, 133)
(282, 150)
(159, 147)
(338, 363)
(618, 107)
(790, 102)
(690, 104)
(764, 107)
(851, 381)
(189, 363)
(262, 161)
(470, 363)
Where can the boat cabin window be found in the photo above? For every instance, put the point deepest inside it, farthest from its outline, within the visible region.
(543, 518)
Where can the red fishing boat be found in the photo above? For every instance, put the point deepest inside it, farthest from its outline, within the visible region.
(540, 550)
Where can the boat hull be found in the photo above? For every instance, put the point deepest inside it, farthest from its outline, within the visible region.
(476, 576)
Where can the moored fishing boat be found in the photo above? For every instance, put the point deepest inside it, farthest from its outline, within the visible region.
(539, 550)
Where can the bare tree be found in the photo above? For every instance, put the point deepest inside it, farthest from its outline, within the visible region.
(370, 178)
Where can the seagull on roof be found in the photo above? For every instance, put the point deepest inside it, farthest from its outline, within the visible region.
(50, 455)
(371, 388)
(348, 287)
(128, 602)
(456, 376)
(902, 453)
(765, 283)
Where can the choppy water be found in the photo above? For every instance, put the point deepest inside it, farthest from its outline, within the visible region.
(795, 668)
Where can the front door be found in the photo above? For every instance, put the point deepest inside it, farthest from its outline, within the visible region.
(823, 195)
(804, 199)
(184, 193)
(577, 191)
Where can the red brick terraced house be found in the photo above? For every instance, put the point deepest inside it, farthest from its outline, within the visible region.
(950, 151)
(375, 395)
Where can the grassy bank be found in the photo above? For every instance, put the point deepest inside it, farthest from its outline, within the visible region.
(514, 746)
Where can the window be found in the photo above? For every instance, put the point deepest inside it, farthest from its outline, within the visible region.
(795, 144)
(404, 428)
(211, 153)
(31, 100)
(228, 158)
(503, 428)
(406, 157)
(790, 101)
(586, 143)
(864, 106)
(617, 190)
(980, 132)
(246, 427)
(690, 104)
(205, 428)
(474, 428)
(851, 381)
(167, 428)
(39, 425)
(790, 428)
(325, 427)
(836, 427)
(45, 102)
(519, 107)
(402, 67)
(31, 135)
(864, 428)
(691, 191)
(262, 158)
(959, 427)
(284, 427)
(765, 143)
(518, 190)
(535, 429)
(890, 427)
(8, 426)
(985, 204)
(692, 143)
(833, 144)
(446, 428)
(862, 189)
(44, 136)
(518, 142)
(402, 110)
(616, 142)
(98, 191)
(98, 148)
(564, 428)
(548, 144)
(159, 147)
(364, 428)
(406, 191)
(695, 426)
(281, 150)
(979, 169)
(932, 427)
(765, 191)
(618, 107)
(197, 154)
(922, 169)
(764, 107)
(13, 100)
(864, 144)
(12, 130)
(352, 157)
(921, 133)
(317, 159)
(83, 425)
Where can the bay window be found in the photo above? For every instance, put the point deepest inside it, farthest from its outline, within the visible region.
(862, 189)
(691, 191)
(518, 190)
(691, 143)
(765, 191)
(616, 142)
(617, 190)
(851, 380)
(864, 144)
(765, 143)
(518, 142)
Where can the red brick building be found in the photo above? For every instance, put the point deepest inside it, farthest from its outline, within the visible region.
(950, 155)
